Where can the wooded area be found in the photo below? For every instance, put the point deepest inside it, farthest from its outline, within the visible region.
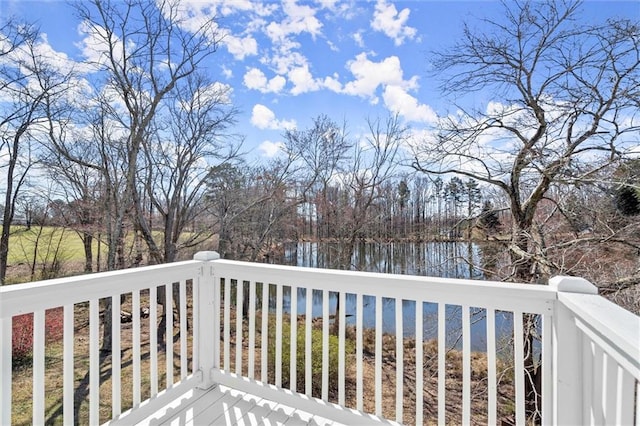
(150, 164)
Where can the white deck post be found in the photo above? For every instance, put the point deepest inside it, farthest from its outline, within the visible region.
(207, 322)
(568, 355)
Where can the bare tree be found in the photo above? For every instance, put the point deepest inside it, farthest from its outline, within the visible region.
(141, 52)
(27, 80)
(178, 159)
(78, 201)
(375, 160)
(566, 103)
(319, 153)
(565, 106)
(253, 207)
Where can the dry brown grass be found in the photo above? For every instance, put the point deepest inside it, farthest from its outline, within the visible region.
(22, 387)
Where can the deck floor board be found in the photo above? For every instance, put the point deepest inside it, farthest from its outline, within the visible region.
(222, 405)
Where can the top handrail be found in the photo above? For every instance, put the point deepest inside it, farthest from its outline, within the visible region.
(530, 298)
(17, 299)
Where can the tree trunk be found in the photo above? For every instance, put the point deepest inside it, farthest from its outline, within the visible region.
(87, 241)
(524, 269)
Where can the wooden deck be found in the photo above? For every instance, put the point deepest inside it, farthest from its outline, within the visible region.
(222, 405)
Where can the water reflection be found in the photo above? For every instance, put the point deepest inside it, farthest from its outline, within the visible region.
(437, 259)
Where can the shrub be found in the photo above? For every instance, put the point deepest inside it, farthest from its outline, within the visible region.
(22, 333)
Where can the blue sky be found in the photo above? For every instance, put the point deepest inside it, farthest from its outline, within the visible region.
(288, 62)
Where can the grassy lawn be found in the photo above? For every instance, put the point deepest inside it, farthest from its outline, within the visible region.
(43, 242)
(46, 252)
(52, 251)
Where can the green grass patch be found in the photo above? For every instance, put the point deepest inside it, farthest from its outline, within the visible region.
(317, 351)
(45, 243)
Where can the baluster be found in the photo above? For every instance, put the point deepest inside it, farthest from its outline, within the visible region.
(378, 357)
(308, 378)
(68, 366)
(153, 339)
(466, 365)
(399, 361)
(341, 346)
(38, 366)
(278, 378)
(359, 369)
(137, 380)
(184, 360)
(609, 389)
(265, 332)
(293, 354)
(115, 356)
(239, 318)
(325, 345)
(168, 309)
(419, 363)
(6, 374)
(227, 325)
(492, 387)
(625, 390)
(547, 383)
(588, 379)
(94, 362)
(442, 367)
(518, 371)
(252, 329)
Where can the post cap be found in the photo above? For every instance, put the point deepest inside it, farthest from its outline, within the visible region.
(206, 255)
(572, 285)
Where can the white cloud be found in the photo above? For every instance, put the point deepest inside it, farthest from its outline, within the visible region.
(227, 72)
(270, 149)
(241, 47)
(66, 77)
(193, 15)
(357, 37)
(302, 80)
(386, 19)
(397, 100)
(216, 93)
(369, 75)
(332, 83)
(255, 79)
(328, 4)
(94, 46)
(263, 118)
(633, 152)
(299, 19)
(286, 59)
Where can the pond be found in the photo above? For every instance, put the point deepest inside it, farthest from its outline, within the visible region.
(438, 259)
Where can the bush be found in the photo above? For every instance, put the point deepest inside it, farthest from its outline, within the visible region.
(316, 358)
(22, 333)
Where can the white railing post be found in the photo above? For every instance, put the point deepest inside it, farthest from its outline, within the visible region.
(207, 322)
(568, 354)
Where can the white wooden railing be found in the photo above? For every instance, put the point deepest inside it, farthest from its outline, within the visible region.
(234, 326)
